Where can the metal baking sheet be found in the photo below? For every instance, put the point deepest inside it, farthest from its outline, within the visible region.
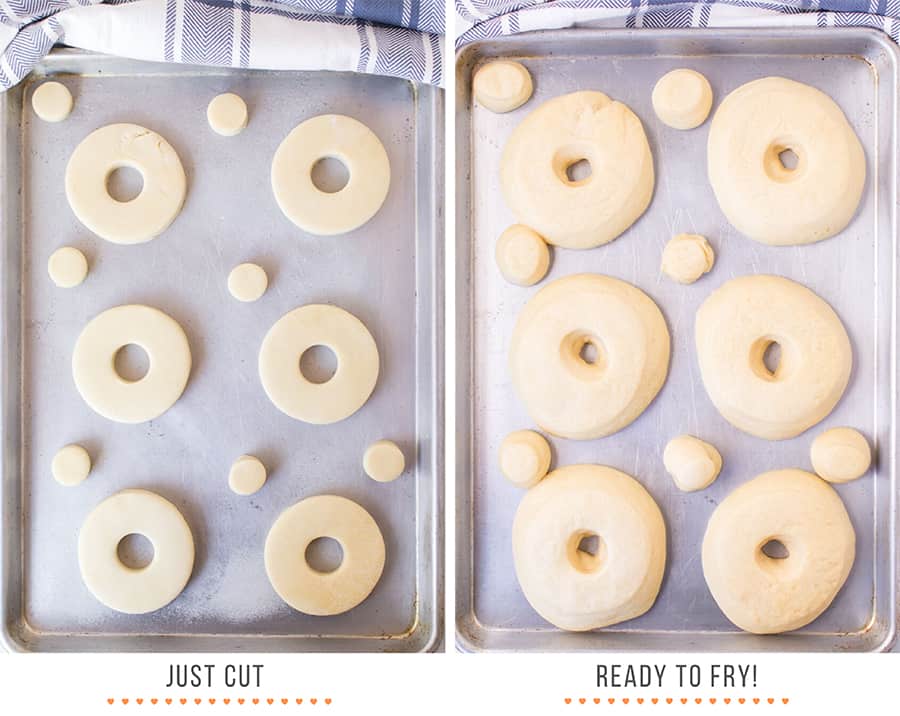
(388, 273)
(854, 272)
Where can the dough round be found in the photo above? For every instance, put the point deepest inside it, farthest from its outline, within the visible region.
(126, 401)
(247, 475)
(383, 461)
(52, 101)
(765, 595)
(71, 465)
(575, 589)
(357, 364)
(687, 257)
(524, 458)
(247, 282)
(67, 267)
(762, 198)
(135, 591)
(682, 99)
(125, 145)
(502, 86)
(840, 455)
(569, 396)
(692, 463)
(324, 593)
(523, 257)
(734, 328)
(559, 133)
(227, 114)
(356, 146)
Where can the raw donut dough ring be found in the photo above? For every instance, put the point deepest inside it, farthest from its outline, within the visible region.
(568, 396)
(559, 133)
(353, 380)
(125, 145)
(682, 99)
(126, 401)
(324, 593)
(758, 195)
(734, 327)
(840, 455)
(764, 595)
(135, 591)
(571, 588)
(357, 147)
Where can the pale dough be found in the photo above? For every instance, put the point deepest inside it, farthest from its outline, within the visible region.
(125, 145)
(67, 267)
(383, 461)
(247, 282)
(227, 114)
(247, 475)
(71, 465)
(524, 458)
(502, 86)
(687, 257)
(357, 364)
(569, 396)
(356, 146)
(682, 99)
(758, 195)
(736, 325)
(523, 257)
(572, 588)
(765, 595)
(692, 463)
(840, 455)
(135, 591)
(52, 101)
(559, 133)
(126, 401)
(324, 593)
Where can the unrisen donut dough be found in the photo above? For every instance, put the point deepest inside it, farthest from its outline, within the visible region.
(324, 593)
(523, 257)
(559, 133)
(572, 588)
(734, 328)
(524, 458)
(567, 395)
(247, 475)
(383, 461)
(682, 99)
(687, 257)
(502, 86)
(67, 267)
(840, 455)
(135, 591)
(764, 595)
(52, 101)
(758, 195)
(71, 465)
(247, 282)
(227, 114)
(125, 145)
(692, 463)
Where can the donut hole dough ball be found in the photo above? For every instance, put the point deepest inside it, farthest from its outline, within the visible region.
(589, 547)
(502, 86)
(227, 114)
(749, 168)
(692, 463)
(588, 354)
(522, 255)
(682, 99)
(383, 461)
(52, 101)
(71, 465)
(524, 458)
(247, 475)
(768, 592)
(736, 327)
(840, 455)
(67, 267)
(687, 257)
(578, 213)
(247, 282)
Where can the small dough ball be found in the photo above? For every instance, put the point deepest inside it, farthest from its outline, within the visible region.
(692, 463)
(687, 257)
(840, 455)
(52, 102)
(247, 475)
(502, 86)
(682, 99)
(383, 461)
(524, 458)
(67, 267)
(522, 255)
(247, 282)
(227, 114)
(71, 465)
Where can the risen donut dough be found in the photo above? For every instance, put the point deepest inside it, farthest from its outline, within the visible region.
(765, 595)
(682, 99)
(247, 475)
(559, 133)
(227, 114)
(502, 86)
(383, 461)
(71, 465)
(522, 255)
(840, 455)
(67, 267)
(52, 101)
(570, 396)
(687, 257)
(757, 193)
(247, 282)
(524, 458)
(573, 588)
(692, 463)
(734, 328)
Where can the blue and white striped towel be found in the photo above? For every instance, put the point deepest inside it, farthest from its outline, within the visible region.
(401, 38)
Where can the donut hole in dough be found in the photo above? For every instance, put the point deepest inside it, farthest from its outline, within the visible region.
(770, 359)
(318, 364)
(247, 475)
(682, 99)
(330, 175)
(784, 161)
(135, 551)
(587, 551)
(247, 282)
(583, 355)
(525, 458)
(52, 101)
(71, 465)
(131, 363)
(775, 549)
(227, 114)
(694, 464)
(840, 455)
(579, 172)
(383, 461)
(522, 255)
(124, 183)
(67, 267)
(324, 554)
(502, 86)
(687, 257)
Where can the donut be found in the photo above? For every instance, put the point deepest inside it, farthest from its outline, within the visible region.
(682, 99)
(560, 133)
(734, 328)
(502, 86)
(524, 458)
(766, 595)
(693, 463)
(52, 101)
(227, 114)
(579, 588)
(686, 257)
(840, 455)
(522, 255)
(757, 190)
(570, 393)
